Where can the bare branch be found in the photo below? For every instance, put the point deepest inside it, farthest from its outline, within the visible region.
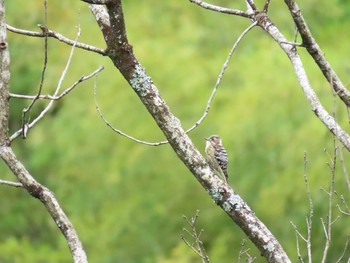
(27, 126)
(15, 184)
(221, 9)
(345, 248)
(311, 209)
(48, 199)
(292, 43)
(197, 246)
(221, 75)
(316, 106)
(119, 131)
(307, 239)
(252, 5)
(315, 51)
(342, 199)
(345, 172)
(327, 227)
(61, 38)
(266, 6)
(4, 78)
(297, 235)
(64, 93)
(244, 251)
(26, 110)
(206, 111)
(297, 231)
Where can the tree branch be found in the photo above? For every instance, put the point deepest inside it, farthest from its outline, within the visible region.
(47, 32)
(26, 126)
(4, 79)
(316, 106)
(14, 184)
(48, 199)
(17, 168)
(121, 54)
(64, 93)
(220, 9)
(315, 51)
(206, 111)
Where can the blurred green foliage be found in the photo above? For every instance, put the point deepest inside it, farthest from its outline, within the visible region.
(126, 200)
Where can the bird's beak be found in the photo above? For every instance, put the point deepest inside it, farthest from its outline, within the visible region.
(206, 139)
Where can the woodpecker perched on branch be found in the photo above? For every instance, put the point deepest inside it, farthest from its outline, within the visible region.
(217, 156)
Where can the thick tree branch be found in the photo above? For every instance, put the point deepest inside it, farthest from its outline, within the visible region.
(48, 199)
(120, 52)
(4, 79)
(17, 168)
(315, 51)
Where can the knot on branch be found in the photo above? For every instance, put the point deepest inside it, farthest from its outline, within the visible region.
(3, 45)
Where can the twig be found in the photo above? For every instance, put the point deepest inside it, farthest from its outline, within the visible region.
(119, 131)
(222, 9)
(342, 199)
(222, 72)
(307, 239)
(311, 208)
(345, 172)
(327, 226)
(26, 110)
(252, 5)
(266, 6)
(57, 36)
(297, 235)
(197, 246)
(244, 251)
(206, 111)
(292, 43)
(10, 183)
(344, 250)
(64, 93)
(27, 126)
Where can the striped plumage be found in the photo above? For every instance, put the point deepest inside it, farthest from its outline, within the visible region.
(217, 156)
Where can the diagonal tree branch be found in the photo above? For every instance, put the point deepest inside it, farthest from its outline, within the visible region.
(316, 106)
(48, 199)
(315, 51)
(121, 54)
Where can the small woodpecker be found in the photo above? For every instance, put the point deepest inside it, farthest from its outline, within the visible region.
(217, 156)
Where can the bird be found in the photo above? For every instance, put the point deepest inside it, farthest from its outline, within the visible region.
(217, 156)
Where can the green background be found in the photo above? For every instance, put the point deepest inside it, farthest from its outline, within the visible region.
(126, 200)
